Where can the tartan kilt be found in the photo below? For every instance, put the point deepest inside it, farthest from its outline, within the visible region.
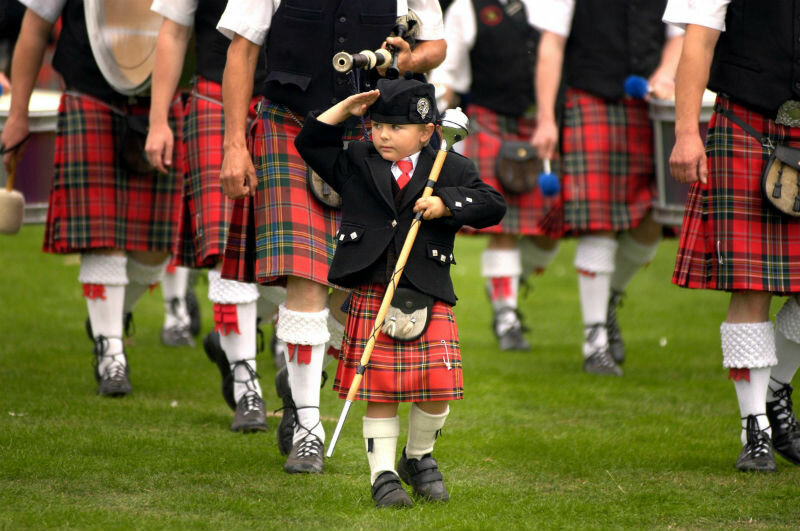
(290, 232)
(731, 238)
(95, 203)
(400, 371)
(206, 209)
(608, 174)
(524, 211)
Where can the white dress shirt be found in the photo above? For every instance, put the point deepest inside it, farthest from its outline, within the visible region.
(708, 13)
(179, 11)
(555, 16)
(47, 9)
(396, 171)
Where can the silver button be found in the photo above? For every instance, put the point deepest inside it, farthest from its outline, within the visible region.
(353, 235)
(341, 237)
(458, 204)
(435, 252)
(394, 223)
(469, 200)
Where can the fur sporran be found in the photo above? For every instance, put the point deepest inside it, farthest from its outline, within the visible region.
(322, 191)
(408, 315)
(779, 180)
(517, 167)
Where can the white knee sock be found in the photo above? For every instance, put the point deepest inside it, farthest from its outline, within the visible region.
(104, 279)
(502, 268)
(173, 289)
(423, 428)
(306, 334)
(380, 438)
(631, 256)
(534, 259)
(787, 345)
(141, 277)
(594, 260)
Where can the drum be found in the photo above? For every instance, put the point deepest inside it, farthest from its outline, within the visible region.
(35, 169)
(123, 38)
(670, 197)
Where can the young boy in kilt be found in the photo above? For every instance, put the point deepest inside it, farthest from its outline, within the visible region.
(732, 239)
(485, 37)
(119, 216)
(381, 183)
(607, 170)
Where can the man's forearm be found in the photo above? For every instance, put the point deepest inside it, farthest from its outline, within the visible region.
(548, 74)
(237, 89)
(27, 60)
(692, 77)
(428, 55)
(170, 52)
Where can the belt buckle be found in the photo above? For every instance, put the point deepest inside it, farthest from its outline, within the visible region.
(789, 114)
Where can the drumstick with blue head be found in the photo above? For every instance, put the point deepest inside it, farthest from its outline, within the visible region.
(548, 181)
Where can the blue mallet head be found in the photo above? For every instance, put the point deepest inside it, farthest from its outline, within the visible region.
(636, 87)
(548, 183)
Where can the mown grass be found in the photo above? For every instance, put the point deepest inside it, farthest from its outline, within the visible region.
(536, 444)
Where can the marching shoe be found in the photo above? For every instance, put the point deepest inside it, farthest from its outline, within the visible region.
(114, 381)
(616, 346)
(785, 429)
(215, 353)
(250, 415)
(177, 336)
(424, 477)
(289, 419)
(509, 329)
(756, 455)
(389, 492)
(600, 362)
(305, 456)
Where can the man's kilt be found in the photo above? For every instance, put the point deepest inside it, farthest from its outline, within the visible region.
(283, 231)
(731, 238)
(525, 211)
(96, 203)
(206, 209)
(400, 371)
(608, 175)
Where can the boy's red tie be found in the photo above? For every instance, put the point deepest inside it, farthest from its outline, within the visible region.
(405, 167)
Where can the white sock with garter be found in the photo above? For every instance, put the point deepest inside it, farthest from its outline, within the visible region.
(380, 438)
(423, 429)
(594, 260)
(787, 346)
(173, 289)
(140, 278)
(631, 257)
(104, 279)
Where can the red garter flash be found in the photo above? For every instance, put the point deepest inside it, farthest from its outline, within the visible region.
(303, 353)
(94, 291)
(501, 288)
(739, 374)
(226, 319)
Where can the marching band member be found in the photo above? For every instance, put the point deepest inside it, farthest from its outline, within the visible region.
(381, 183)
(606, 145)
(106, 202)
(279, 233)
(732, 239)
(485, 37)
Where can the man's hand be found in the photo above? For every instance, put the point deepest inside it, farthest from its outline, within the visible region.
(545, 139)
(405, 57)
(432, 207)
(688, 160)
(15, 131)
(159, 145)
(238, 175)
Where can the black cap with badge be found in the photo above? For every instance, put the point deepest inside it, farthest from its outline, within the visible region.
(404, 101)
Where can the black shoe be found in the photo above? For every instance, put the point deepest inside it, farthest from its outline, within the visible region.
(600, 362)
(217, 355)
(616, 347)
(511, 338)
(424, 477)
(177, 336)
(193, 309)
(387, 491)
(785, 429)
(289, 419)
(305, 456)
(250, 415)
(115, 379)
(756, 455)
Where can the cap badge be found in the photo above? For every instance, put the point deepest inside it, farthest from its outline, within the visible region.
(423, 108)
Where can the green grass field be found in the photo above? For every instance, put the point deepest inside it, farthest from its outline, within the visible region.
(536, 444)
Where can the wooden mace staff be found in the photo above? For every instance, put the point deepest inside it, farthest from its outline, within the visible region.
(454, 129)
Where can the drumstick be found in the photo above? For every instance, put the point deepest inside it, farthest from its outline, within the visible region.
(454, 129)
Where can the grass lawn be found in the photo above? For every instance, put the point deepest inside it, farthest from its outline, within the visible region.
(536, 444)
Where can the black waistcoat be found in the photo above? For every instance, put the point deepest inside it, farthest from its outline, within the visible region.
(304, 36)
(73, 58)
(757, 58)
(611, 40)
(211, 46)
(502, 59)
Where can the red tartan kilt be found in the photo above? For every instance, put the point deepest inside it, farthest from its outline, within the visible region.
(731, 238)
(292, 234)
(400, 371)
(96, 203)
(524, 211)
(206, 209)
(608, 174)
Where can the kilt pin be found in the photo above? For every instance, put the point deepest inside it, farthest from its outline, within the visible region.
(425, 369)
(731, 238)
(526, 210)
(282, 231)
(96, 203)
(608, 176)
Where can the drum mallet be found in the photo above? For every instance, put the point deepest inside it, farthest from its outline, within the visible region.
(636, 87)
(344, 62)
(12, 204)
(548, 181)
(454, 129)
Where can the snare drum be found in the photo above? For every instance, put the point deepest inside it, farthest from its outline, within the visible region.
(35, 168)
(670, 198)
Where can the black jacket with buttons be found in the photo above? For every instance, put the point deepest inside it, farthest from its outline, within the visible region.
(370, 220)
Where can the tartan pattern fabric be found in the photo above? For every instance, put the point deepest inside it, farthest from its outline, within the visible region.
(731, 238)
(400, 371)
(282, 231)
(206, 209)
(94, 201)
(608, 175)
(489, 129)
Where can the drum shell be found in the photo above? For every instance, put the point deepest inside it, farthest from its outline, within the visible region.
(34, 175)
(670, 197)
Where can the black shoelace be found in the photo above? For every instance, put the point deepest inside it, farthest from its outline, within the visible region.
(757, 440)
(783, 409)
(612, 325)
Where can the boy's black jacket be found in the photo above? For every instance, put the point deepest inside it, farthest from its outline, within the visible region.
(370, 222)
